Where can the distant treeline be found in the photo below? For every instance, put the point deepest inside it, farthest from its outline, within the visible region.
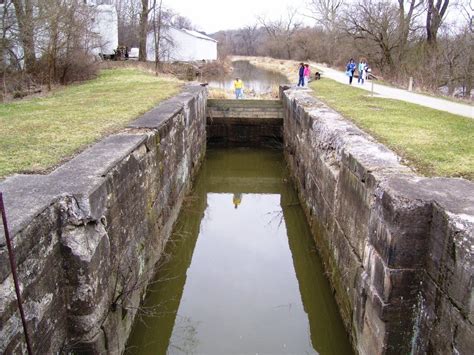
(398, 38)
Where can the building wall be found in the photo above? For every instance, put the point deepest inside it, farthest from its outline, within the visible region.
(106, 26)
(87, 236)
(185, 47)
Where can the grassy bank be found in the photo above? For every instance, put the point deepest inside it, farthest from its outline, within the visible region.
(37, 134)
(433, 142)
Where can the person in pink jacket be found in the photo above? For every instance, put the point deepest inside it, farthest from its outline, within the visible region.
(306, 74)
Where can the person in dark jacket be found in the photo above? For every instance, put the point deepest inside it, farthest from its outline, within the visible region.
(301, 74)
(350, 69)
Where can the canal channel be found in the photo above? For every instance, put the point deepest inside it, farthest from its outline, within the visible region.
(241, 273)
(256, 80)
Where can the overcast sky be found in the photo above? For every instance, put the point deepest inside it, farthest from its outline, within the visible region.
(214, 15)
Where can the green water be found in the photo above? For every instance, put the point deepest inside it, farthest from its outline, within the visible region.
(242, 275)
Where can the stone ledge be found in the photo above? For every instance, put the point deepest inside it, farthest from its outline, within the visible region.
(156, 117)
(26, 196)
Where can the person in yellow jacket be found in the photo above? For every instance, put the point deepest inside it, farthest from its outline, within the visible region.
(238, 88)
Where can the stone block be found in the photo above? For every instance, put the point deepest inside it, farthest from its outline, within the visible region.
(450, 259)
(399, 229)
(372, 338)
(442, 327)
(352, 210)
(394, 286)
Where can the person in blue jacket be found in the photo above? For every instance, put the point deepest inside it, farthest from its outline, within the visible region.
(362, 69)
(301, 74)
(350, 69)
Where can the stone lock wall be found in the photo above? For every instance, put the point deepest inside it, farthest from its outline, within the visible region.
(398, 248)
(87, 236)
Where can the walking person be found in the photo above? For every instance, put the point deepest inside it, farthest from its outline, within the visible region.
(350, 69)
(301, 75)
(306, 74)
(238, 89)
(362, 68)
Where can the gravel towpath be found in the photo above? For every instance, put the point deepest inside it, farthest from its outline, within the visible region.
(400, 94)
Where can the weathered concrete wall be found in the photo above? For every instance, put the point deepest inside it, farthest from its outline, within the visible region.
(87, 236)
(397, 247)
(253, 123)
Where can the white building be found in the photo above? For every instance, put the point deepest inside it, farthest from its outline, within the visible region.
(182, 45)
(105, 26)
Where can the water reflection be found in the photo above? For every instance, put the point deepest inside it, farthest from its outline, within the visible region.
(237, 199)
(257, 80)
(241, 280)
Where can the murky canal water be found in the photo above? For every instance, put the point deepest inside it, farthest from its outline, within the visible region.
(257, 80)
(242, 275)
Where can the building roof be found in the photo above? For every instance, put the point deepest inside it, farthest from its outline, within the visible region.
(197, 34)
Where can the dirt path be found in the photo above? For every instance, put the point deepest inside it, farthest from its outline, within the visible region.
(404, 95)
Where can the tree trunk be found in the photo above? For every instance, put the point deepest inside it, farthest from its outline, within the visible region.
(402, 28)
(404, 23)
(157, 35)
(24, 15)
(468, 79)
(52, 52)
(143, 31)
(451, 82)
(434, 18)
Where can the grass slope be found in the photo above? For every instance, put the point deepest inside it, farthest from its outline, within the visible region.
(435, 143)
(39, 133)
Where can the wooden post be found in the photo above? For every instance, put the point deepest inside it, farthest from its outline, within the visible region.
(410, 84)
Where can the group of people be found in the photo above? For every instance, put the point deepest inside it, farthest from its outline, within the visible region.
(362, 68)
(304, 74)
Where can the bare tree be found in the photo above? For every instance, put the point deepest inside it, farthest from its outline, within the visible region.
(128, 13)
(309, 43)
(143, 28)
(374, 23)
(157, 25)
(24, 14)
(434, 18)
(467, 62)
(407, 11)
(9, 42)
(326, 13)
(249, 37)
(282, 32)
(65, 38)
